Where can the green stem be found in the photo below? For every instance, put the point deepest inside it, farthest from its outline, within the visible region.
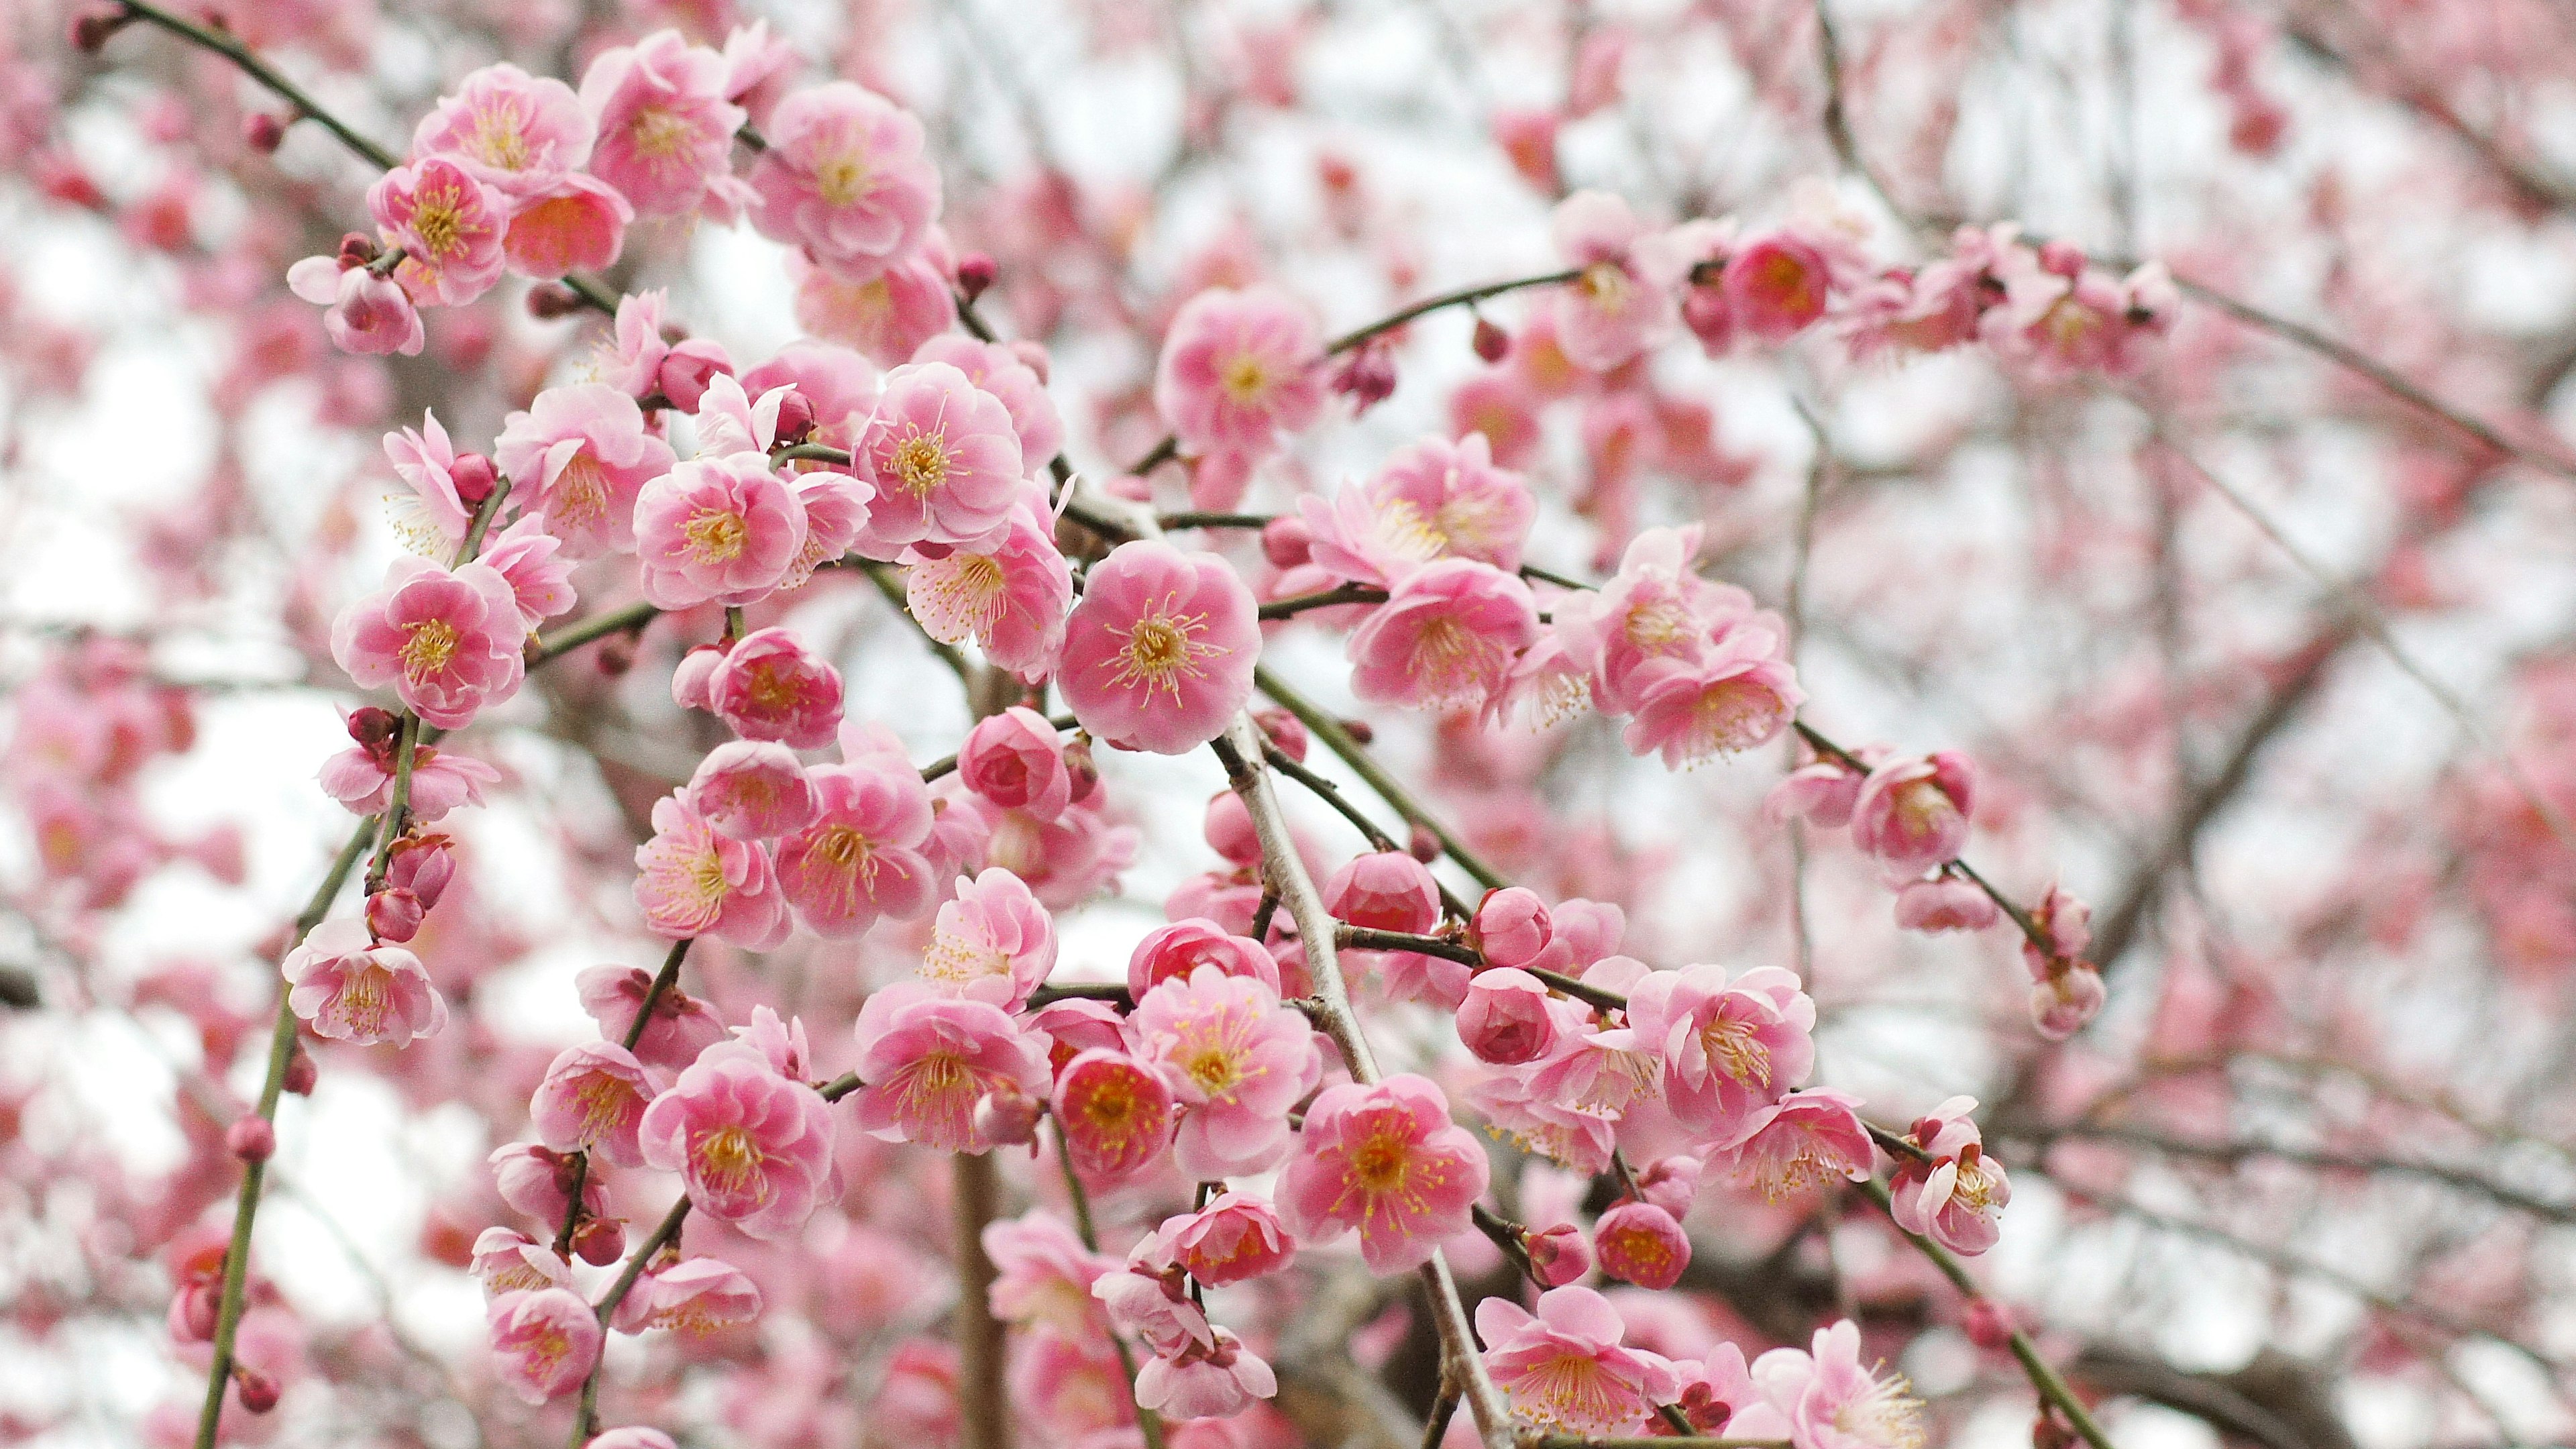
(1337, 739)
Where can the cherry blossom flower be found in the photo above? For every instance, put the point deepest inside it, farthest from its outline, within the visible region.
(844, 177)
(1205, 1381)
(544, 1341)
(769, 686)
(1115, 1112)
(1043, 1274)
(1234, 1239)
(1944, 904)
(448, 641)
(1511, 926)
(680, 1027)
(527, 559)
(751, 790)
(1738, 696)
(1013, 373)
(860, 858)
(753, 1147)
(1730, 1049)
(1834, 1403)
(1913, 811)
(592, 1098)
(513, 131)
(349, 989)
(1802, 1143)
(509, 1261)
(578, 223)
(943, 457)
(723, 529)
(1383, 1159)
(1642, 1244)
(692, 881)
(992, 941)
(362, 779)
(578, 458)
(1159, 653)
(449, 226)
(1179, 949)
(927, 1060)
(1564, 1367)
(1446, 638)
(1016, 760)
(1955, 1198)
(1614, 308)
(366, 314)
(433, 519)
(1506, 1018)
(1237, 369)
(1433, 500)
(1007, 593)
(1236, 1060)
(665, 129)
(887, 315)
(693, 1295)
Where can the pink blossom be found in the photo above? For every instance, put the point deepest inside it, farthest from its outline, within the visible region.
(577, 223)
(449, 226)
(578, 458)
(1159, 654)
(1008, 593)
(1179, 949)
(1511, 926)
(1729, 1049)
(1446, 638)
(928, 1059)
(723, 529)
(992, 941)
(757, 66)
(433, 520)
(348, 989)
(1802, 1143)
(751, 790)
(1205, 1381)
(1822, 793)
(861, 857)
(1387, 891)
(1657, 621)
(836, 382)
(693, 1295)
(1944, 904)
(753, 1147)
(1115, 1113)
(367, 314)
(1234, 1239)
(592, 1097)
(887, 315)
(449, 642)
(680, 1027)
(2062, 1001)
(514, 131)
(509, 1261)
(943, 457)
(1009, 376)
(1043, 1274)
(1834, 1403)
(1506, 1018)
(1384, 1159)
(693, 882)
(1557, 1255)
(844, 177)
(1737, 696)
(1564, 1367)
(1640, 1243)
(543, 1341)
(1237, 369)
(1432, 500)
(665, 129)
(1571, 1134)
(1614, 309)
(1776, 285)
(1016, 760)
(1237, 1061)
(1955, 1198)
(1913, 811)
(769, 686)
(538, 1181)
(527, 558)
(441, 781)
(1718, 1396)
(2066, 921)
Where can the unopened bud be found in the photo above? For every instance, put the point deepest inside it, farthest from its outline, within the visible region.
(374, 729)
(1988, 1324)
(1492, 343)
(2047, 1433)
(795, 419)
(91, 28)
(599, 1241)
(550, 300)
(2064, 258)
(395, 915)
(615, 654)
(1287, 541)
(975, 273)
(1360, 731)
(1007, 1116)
(300, 1072)
(1422, 845)
(357, 249)
(258, 1390)
(263, 132)
(1285, 730)
(475, 478)
(251, 1139)
(1367, 377)
(1082, 767)
(1558, 1256)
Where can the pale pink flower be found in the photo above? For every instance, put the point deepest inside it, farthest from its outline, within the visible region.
(1239, 368)
(441, 780)
(860, 859)
(928, 1059)
(1601, 1068)
(943, 457)
(1387, 890)
(1641, 1243)
(1729, 1049)
(1179, 949)
(367, 314)
(723, 529)
(844, 177)
(1506, 1018)
(1738, 695)
(1944, 904)
(991, 941)
(1115, 1113)
(1159, 654)
(544, 1341)
(1006, 372)
(514, 131)
(1511, 926)
(509, 1261)
(577, 223)
(538, 1181)
(1043, 1274)
(757, 67)
(1205, 1381)
(592, 1098)
(1777, 284)
(1016, 760)
(1822, 793)
(751, 790)
(449, 642)
(693, 882)
(887, 315)
(2063, 1001)
(1446, 638)
(753, 1147)
(530, 560)
(632, 357)
(2066, 921)
(1076, 1387)
(1234, 1239)
(1719, 1398)
(838, 384)
(1564, 1367)
(680, 1027)
(1237, 1061)
(1834, 1403)
(1913, 811)
(1656, 617)
(1386, 1160)
(577, 459)
(1008, 593)
(1803, 1143)
(1955, 1198)
(693, 1295)
(349, 989)
(449, 226)
(434, 518)
(665, 129)
(769, 686)
(1615, 308)
(1435, 499)
(730, 420)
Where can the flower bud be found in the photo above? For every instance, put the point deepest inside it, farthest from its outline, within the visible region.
(795, 419)
(1366, 377)
(599, 1241)
(1422, 845)
(2064, 258)
(1287, 541)
(1642, 1244)
(263, 132)
(693, 679)
(475, 478)
(1084, 769)
(1511, 926)
(1492, 343)
(258, 1390)
(192, 1312)
(2047, 1433)
(1360, 731)
(1229, 829)
(686, 372)
(357, 249)
(550, 300)
(1671, 1184)
(300, 1072)
(251, 1139)
(1557, 1256)
(92, 28)
(394, 914)
(1007, 1116)
(1285, 730)
(423, 865)
(375, 730)
(614, 656)
(1505, 1019)
(975, 273)
(1988, 1324)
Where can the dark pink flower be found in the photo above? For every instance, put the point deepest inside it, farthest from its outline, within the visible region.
(1386, 1160)
(1564, 1366)
(1159, 654)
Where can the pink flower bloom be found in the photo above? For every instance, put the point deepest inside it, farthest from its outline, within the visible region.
(1740, 695)
(1386, 1160)
(1718, 1396)
(1730, 1049)
(680, 1027)
(1834, 1403)
(1009, 376)
(1158, 655)
(509, 1261)
(1506, 1018)
(1558, 1255)
(1445, 638)
(348, 989)
(769, 686)
(693, 1295)
(448, 642)
(1234, 1239)
(593, 1096)
(758, 66)
(539, 579)
(1205, 1382)
(1016, 760)
(441, 780)
(1116, 1114)
(1511, 926)
(928, 1059)
(754, 1148)
(514, 131)
(1043, 1274)
(943, 457)
(1387, 891)
(1178, 950)
(449, 226)
(1433, 500)
(578, 223)
(861, 857)
(694, 882)
(538, 1181)
(844, 177)
(543, 1341)
(1640, 1243)
(578, 458)
(2063, 1001)
(1614, 310)
(1821, 793)
(2065, 920)
(1801, 1143)
(723, 529)
(1943, 904)
(434, 518)
(1955, 1198)
(751, 790)
(887, 315)
(992, 941)
(1913, 812)
(1564, 1367)
(1237, 369)
(1657, 618)
(368, 314)
(1237, 1061)
(665, 129)
(1776, 285)
(1008, 593)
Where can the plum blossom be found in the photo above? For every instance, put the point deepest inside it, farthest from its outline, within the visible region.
(1954, 1198)
(1564, 1367)
(1234, 1239)
(1237, 1061)
(1834, 1403)
(544, 1341)
(692, 881)
(1007, 593)
(433, 519)
(1641, 1243)
(679, 1028)
(513, 131)
(1237, 369)
(1015, 374)
(724, 529)
(449, 226)
(1043, 1274)
(1159, 653)
(1433, 500)
(665, 128)
(751, 790)
(1615, 307)
(1446, 638)
(1801, 1143)
(943, 458)
(1115, 1113)
(1180, 948)
(578, 458)
(1912, 812)
(1729, 1048)
(887, 315)
(860, 858)
(769, 686)
(991, 941)
(1205, 1381)
(448, 641)
(348, 988)
(928, 1059)
(1016, 760)
(366, 313)
(693, 1295)
(362, 779)
(753, 1147)
(844, 177)
(592, 1098)
(1384, 1159)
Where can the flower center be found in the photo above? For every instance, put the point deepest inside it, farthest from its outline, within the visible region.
(661, 134)
(954, 958)
(842, 179)
(1245, 378)
(1605, 284)
(849, 850)
(604, 1102)
(579, 497)
(1382, 1163)
(1161, 649)
(438, 219)
(1888, 1415)
(363, 999)
(728, 1160)
(1453, 661)
(427, 648)
(1733, 1049)
(921, 463)
(716, 535)
(500, 138)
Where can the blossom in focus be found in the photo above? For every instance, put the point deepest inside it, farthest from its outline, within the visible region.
(1159, 653)
(753, 1147)
(928, 1059)
(1238, 369)
(1564, 1367)
(544, 1341)
(1384, 1160)
(692, 881)
(665, 128)
(448, 641)
(349, 989)
(844, 177)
